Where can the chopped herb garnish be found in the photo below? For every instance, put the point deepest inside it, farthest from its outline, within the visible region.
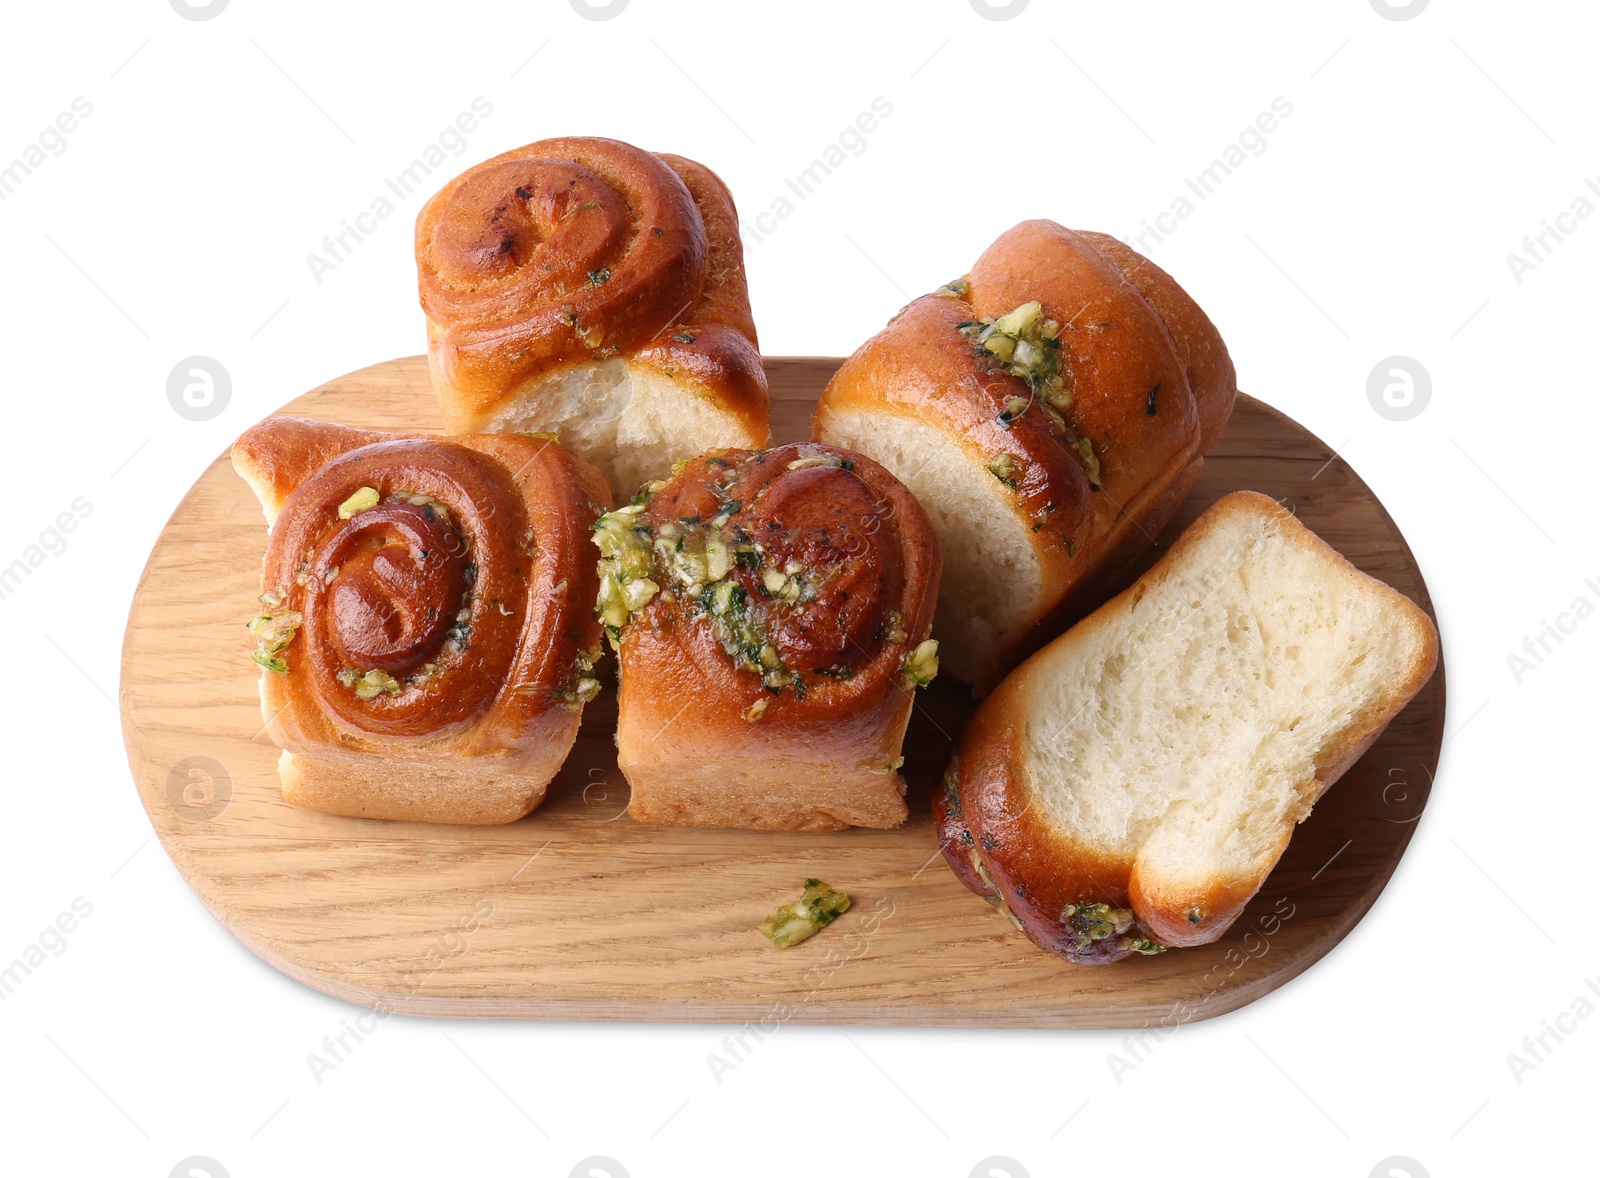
(922, 664)
(581, 685)
(1089, 923)
(1023, 344)
(1142, 945)
(370, 685)
(1008, 470)
(1014, 408)
(820, 460)
(1084, 450)
(363, 499)
(273, 631)
(625, 567)
(819, 905)
(274, 663)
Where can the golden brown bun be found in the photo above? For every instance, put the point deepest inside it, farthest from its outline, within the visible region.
(475, 600)
(810, 740)
(589, 287)
(1150, 387)
(1156, 758)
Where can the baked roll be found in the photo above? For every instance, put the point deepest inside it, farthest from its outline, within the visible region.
(1130, 787)
(426, 637)
(1050, 410)
(589, 288)
(771, 610)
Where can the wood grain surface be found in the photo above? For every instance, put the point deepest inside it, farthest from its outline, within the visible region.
(577, 912)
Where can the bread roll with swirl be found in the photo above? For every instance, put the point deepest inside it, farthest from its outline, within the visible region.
(1051, 410)
(771, 610)
(427, 637)
(590, 288)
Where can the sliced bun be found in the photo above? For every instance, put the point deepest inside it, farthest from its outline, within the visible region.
(1043, 494)
(591, 289)
(1132, 784)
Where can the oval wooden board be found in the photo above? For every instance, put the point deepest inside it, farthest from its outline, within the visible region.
(577, 912)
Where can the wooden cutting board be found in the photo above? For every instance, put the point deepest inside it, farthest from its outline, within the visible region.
(577, 912)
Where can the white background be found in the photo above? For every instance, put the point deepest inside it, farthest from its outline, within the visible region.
(1377, 221)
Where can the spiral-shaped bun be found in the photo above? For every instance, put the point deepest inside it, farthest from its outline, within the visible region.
(1052, 409)
(572, 283)
(771, 609)
(425, 639)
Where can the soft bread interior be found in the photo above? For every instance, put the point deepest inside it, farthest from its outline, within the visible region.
(1186, 731)
(630, 421)
(266, 492)
(992, 581)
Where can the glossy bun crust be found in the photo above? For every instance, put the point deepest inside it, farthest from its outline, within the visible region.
(436, 595)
